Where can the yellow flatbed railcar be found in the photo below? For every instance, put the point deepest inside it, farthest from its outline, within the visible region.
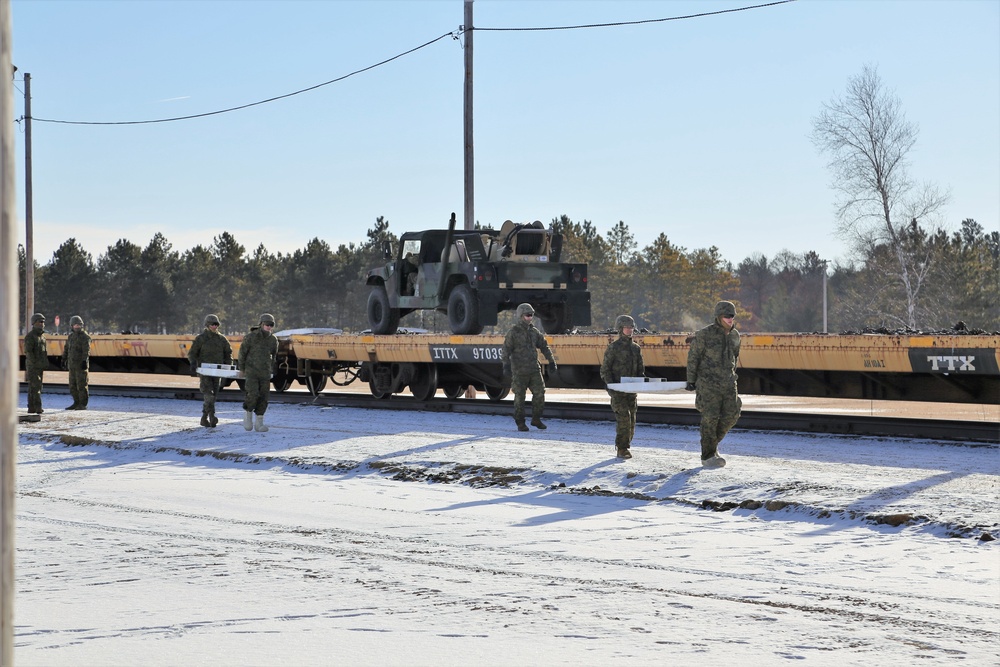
(924, 367)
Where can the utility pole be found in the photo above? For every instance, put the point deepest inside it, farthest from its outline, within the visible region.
(8, 342)
(470, 171)
(825, 330)
(29, 233)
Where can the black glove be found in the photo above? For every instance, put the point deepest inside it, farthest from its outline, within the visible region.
(506, 374)
(62, 364)
(83, 365)
(689, 386)
(553, 367)
(194, 370)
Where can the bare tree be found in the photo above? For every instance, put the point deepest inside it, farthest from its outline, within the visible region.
(869, 139)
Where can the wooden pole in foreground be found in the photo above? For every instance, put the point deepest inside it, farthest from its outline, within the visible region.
(8, 340)
(29, 233)
(470, 162)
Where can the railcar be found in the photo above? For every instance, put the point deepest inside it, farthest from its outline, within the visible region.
(919, 367)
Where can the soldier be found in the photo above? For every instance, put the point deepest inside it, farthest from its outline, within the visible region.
(711, 371)
(36, 360)
(623, 358)
(210, 347)
(520, 364)
(411, 270)
(76, 359)
(258, 351)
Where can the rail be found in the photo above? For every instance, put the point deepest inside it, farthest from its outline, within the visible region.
(970, 433)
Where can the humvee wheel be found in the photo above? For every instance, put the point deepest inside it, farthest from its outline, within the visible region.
(463, 311)
(381, 318)
(556, 319)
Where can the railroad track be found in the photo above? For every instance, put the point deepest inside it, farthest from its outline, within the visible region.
(975, 433)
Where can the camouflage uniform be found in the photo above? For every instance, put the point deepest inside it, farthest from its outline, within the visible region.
(36, 360)
(258, 351)
(711, 369)
(520, 363)
(623, 358)
(209, 347)
(76, 359)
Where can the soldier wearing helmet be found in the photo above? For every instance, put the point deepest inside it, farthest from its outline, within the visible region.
(76, 360)
(36, 360)
(520, 364)
(258, 352)
(711, 372)
(623, 358)
(209, 347)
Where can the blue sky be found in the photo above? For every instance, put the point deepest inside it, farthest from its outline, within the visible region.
(697, 128)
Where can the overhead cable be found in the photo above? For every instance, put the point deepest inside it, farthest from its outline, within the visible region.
(454, 34)
(243, 106)
(621, 23)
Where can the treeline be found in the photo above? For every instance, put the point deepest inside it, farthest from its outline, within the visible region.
(157, 289)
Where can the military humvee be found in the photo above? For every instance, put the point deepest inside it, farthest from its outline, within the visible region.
(474, 275)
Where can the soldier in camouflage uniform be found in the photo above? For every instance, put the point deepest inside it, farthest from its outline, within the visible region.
(76, 359)
(520, 364)
(711, 371)
(623, 358)
(210, 347)
(36, 360)
(258, 351)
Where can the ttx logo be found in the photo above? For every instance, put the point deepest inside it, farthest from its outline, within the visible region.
(951, 363)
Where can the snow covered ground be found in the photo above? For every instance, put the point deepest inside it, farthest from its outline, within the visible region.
(355, 537)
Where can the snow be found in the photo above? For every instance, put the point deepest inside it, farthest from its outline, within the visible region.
(356, 537)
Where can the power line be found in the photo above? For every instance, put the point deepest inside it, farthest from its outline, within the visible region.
(243, 106)
(621, 23)
(454, 34)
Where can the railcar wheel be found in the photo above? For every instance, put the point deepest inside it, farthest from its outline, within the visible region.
(453, 389)
(316, 382)
(463, 311)
(281, 381)
(376, 392)
(382, 318)
(497, 394)
(424, 384)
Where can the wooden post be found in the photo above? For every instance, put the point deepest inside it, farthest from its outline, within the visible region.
(29, 231)
(470, 171)
(8, 340)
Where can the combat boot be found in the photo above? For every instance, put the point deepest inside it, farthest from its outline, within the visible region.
(715, 461)
(521, 426)
(204, 418)
(537, 423)
(624, 453)
(73, 407)
(212, 419)
(259, 425)
(248, 420)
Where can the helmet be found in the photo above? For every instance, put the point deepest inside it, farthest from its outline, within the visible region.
(525, 309)
(267, 318)
(38, 317)
(725, 309)
(624, 321)
(76, 319)
(212, 319)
